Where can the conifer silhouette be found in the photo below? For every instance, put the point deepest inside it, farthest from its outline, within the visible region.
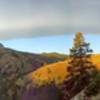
(80, 67)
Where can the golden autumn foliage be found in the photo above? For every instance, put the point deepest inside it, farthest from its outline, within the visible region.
(78, 40)
(48, 73)
(56, 72)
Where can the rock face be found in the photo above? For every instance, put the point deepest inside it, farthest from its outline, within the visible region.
(80, 96)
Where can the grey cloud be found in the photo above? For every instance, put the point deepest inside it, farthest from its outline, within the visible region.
(31, 18)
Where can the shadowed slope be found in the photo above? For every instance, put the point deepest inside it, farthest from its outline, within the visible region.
(47, 92)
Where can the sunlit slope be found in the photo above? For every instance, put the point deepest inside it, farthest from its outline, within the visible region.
(96, 60)
(56, 71)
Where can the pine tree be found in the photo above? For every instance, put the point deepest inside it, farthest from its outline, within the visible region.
(79, 56)
(79, 67)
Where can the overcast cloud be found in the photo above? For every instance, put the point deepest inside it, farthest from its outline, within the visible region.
(31, 18)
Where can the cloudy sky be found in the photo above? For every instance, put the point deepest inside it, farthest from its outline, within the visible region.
(57, 43)
(34, 18)
(27, 18)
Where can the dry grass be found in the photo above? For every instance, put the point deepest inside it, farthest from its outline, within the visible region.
(56, 71)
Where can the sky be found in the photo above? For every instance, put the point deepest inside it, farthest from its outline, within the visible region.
(48, 24)
(34, 18)
(57, 43)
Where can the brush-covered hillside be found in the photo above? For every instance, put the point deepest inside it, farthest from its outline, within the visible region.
(57, 71)
(15, 66)
(13, 60)
(55, 55)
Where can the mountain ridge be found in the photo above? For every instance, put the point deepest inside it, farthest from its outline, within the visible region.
(13, 58)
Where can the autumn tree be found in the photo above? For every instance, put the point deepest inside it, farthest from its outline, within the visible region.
(80, 67)
(80, 55)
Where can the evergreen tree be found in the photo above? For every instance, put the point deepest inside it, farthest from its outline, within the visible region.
(79, 56)
(80, 67)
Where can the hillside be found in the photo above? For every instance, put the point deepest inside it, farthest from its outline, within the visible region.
(14, 67)
(56, 71)
(11, 60)
(47, 92)
(55, 55)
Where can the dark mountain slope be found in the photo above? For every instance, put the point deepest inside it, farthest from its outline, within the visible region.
(47, 92)
(11, 60)
(14, 67)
